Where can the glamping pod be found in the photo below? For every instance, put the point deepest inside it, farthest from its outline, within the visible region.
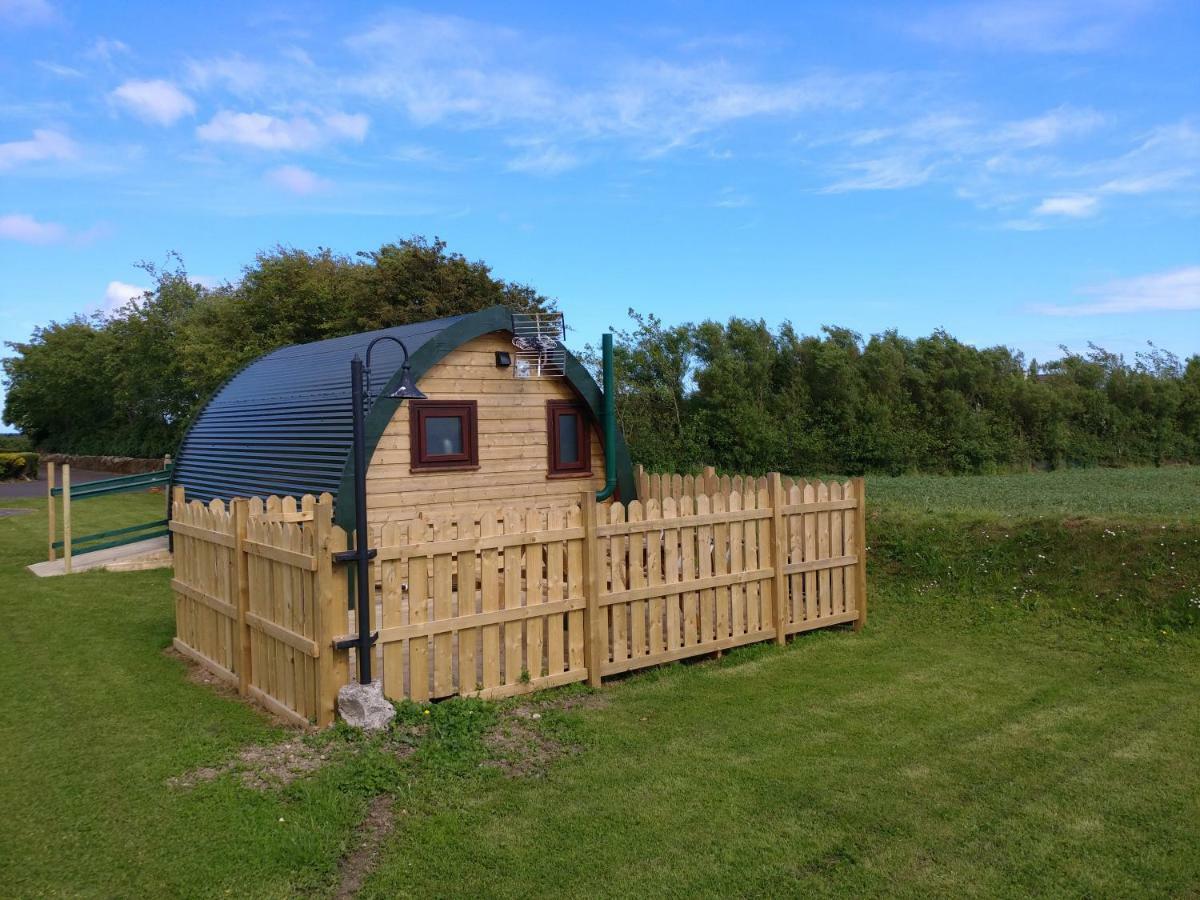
(509, 417)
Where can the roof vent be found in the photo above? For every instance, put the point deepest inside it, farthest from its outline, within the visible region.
(538, 338)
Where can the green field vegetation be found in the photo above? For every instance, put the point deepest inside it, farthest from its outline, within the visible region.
(1019, 718)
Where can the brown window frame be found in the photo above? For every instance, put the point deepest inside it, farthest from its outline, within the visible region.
(467, 411)
(583, 468)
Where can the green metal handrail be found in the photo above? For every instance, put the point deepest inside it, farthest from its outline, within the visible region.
(120, 484)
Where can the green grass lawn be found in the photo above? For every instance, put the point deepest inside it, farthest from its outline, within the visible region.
(1020, 717)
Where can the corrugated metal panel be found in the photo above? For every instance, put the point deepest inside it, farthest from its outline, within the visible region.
(283, 424)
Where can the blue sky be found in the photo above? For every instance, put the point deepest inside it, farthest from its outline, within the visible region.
(1017, 172)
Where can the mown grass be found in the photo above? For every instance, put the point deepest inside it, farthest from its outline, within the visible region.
(1019, 718)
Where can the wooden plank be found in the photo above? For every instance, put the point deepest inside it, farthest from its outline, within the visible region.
(725, 643)
(528, 687)
(671, 575)
(281, 554)
(478, 544)
(737, 593)
(284, 712)
(655, 636)
(514, 630)
(443, 644)
(824, 580)
(457, 624)
(822, 622)
(752, 591)
(619, 568)
(704, 552)
(778, 558)
(725, 517)
(418, 612)
(818, 504)
(582, 566)
(721, 560)
(811, 610)
(284, 635)
(860, 541)
(199, 595)
(821, 565)
(489, 594)
(836, 549)
(637, 580)
(589, 558)
(51, 504)
(705, 583)
(534, 586)
(467, 605)
(392, 601)
(555, 591)
(690, 600)
(200, 659)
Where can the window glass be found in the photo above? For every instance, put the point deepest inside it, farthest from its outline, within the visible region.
(568, 438)
(443, 435)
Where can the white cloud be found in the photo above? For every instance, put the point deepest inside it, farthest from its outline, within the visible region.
(271, 133)
(234, 73)
(1037, 26)
(45, 144)
(27, 12)
(883, 174)
(58, 69)
(446, 69)
(1049, 128)
(1172, 291)
(297, 180)
(118, 294)
(543, 159)
(158, 102)
(28, 230)
(104, 49)
(1075, 207)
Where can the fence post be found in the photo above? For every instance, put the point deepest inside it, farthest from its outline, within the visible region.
(66, 495)
(860, 541)
(241, 514)
(51, 505)
(330, 603)
(594, 643)
(779, 553)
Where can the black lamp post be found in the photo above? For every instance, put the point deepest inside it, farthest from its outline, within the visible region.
(360, 388)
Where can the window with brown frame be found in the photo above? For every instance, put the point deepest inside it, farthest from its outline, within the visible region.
(443, 434)
(569, 438)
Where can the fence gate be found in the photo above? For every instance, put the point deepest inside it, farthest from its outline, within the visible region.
(490, 604)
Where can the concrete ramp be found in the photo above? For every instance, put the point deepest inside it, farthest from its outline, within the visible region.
(148, 554)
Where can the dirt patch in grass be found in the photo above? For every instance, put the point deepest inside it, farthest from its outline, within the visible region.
(520, 745)
(360, 861)
(262, 767)
(13, 511)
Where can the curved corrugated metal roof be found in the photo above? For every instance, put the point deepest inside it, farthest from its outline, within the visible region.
(282, 425)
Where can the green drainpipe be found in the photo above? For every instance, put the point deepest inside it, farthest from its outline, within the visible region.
(610, 420)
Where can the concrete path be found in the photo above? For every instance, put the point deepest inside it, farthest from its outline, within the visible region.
(10, 489)
(148, 554)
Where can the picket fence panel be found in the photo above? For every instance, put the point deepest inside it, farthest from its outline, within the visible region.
(498, 602)
(259, 602)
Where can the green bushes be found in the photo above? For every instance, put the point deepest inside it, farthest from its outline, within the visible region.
(18, 465)
(746, 398)
(15, 443)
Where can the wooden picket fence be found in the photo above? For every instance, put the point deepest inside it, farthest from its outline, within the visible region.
(499, 602)
(258, 600)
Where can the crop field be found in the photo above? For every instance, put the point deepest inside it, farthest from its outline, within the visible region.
(1018, 718)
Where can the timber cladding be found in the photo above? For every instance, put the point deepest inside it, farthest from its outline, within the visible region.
(495, 602)
(510, 416)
